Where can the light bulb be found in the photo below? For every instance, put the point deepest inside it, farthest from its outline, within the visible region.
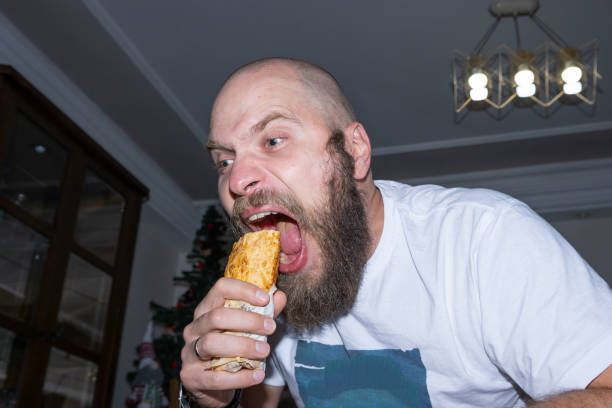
(479, 94)
(524, 77)
(478, 80)
(571, 74)
(572, 88)
(524, 91)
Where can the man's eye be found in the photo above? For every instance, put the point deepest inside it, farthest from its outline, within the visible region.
(224, 163)
(274, 141)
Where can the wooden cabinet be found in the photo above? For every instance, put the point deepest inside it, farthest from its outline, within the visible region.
(68, 220)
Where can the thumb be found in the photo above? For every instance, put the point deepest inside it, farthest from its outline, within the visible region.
(280, 301)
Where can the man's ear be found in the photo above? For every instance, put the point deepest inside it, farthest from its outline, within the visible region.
(357, 144)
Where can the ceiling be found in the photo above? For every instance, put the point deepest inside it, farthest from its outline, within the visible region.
(155, 66)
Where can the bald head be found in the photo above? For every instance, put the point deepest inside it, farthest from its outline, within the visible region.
(321, 90)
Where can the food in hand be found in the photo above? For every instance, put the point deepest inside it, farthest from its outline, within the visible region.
(254, 259)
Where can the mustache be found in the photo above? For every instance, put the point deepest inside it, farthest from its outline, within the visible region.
(266, 197)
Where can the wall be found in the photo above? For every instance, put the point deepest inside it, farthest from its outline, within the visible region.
(160, 249)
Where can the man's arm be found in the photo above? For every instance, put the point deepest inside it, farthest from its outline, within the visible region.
(597, 395)
(261, 396)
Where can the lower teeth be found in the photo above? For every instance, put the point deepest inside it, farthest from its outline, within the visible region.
(283, 259)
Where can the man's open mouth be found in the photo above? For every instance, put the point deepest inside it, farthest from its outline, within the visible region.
(293, 249)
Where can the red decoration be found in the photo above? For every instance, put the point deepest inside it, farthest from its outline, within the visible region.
(210, 225)
(173, 327)
(200, 244)
(200, 265)
(174, 364)
(179, 305)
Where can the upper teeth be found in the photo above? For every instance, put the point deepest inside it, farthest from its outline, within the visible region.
(259, 216)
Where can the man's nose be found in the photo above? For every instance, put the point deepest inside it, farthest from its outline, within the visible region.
(246, 176)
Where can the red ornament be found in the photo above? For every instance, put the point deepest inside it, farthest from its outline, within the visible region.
(200, 244)
(179, 305)
(210, 225)
(174, 364)
(200, 265)
(173, 327)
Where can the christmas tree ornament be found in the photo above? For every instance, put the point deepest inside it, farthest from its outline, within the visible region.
(147, 391)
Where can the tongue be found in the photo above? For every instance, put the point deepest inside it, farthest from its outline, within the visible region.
(290, 237)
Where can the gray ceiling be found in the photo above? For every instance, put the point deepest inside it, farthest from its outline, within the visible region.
(154, 67)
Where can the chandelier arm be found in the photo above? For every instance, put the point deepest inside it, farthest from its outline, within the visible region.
(516, 30)
(490, 102)
(585, 99)
(546, 74)
(546, 104)
(499, 77)
(596, 75)
(486, 36)
(454, 82)
(553, 100)
(463, 106)
(507, 101)
(556, 38)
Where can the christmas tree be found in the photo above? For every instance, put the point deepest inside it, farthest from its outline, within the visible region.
(207, 258)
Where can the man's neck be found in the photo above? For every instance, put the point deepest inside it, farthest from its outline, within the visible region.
(375, 213)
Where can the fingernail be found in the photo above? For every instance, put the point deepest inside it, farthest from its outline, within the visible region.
(269, 325)
(261, 347)
(258, 375)
(261, 295)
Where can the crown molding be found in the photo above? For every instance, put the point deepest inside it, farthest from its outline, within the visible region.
(139, 60)
(166, 197)
(548, 189)
(488, 139)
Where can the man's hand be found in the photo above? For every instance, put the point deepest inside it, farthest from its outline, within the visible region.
(216, 388)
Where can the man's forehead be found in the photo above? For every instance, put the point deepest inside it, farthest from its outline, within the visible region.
(260, 93)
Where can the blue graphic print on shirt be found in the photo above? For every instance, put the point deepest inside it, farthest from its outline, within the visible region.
(332, 376)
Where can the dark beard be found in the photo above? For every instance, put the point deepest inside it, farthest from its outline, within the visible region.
(339, 226)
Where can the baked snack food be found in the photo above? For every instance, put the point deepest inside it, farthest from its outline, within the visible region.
(254, 259)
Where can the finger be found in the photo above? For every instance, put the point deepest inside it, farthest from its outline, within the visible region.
(198, 380)
(280, 301)
(226, 319)
(228, 345)
(228, 288)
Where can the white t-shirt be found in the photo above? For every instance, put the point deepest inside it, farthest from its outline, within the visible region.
(469, 297)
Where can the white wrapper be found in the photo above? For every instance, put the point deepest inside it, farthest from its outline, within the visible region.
(233, 364)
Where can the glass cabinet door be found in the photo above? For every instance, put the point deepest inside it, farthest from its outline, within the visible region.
(99, 217)
(33, 169)
(85, 297)
(12, 349)
(70, 381)
(68, 221)
(22, 256)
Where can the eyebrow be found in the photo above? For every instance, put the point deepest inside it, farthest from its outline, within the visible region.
(213, 145)
(256, 128)
(272, 116)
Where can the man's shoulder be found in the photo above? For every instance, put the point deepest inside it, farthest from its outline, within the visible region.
(428, 198)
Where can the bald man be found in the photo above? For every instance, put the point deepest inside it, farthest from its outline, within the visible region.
(390, 295)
